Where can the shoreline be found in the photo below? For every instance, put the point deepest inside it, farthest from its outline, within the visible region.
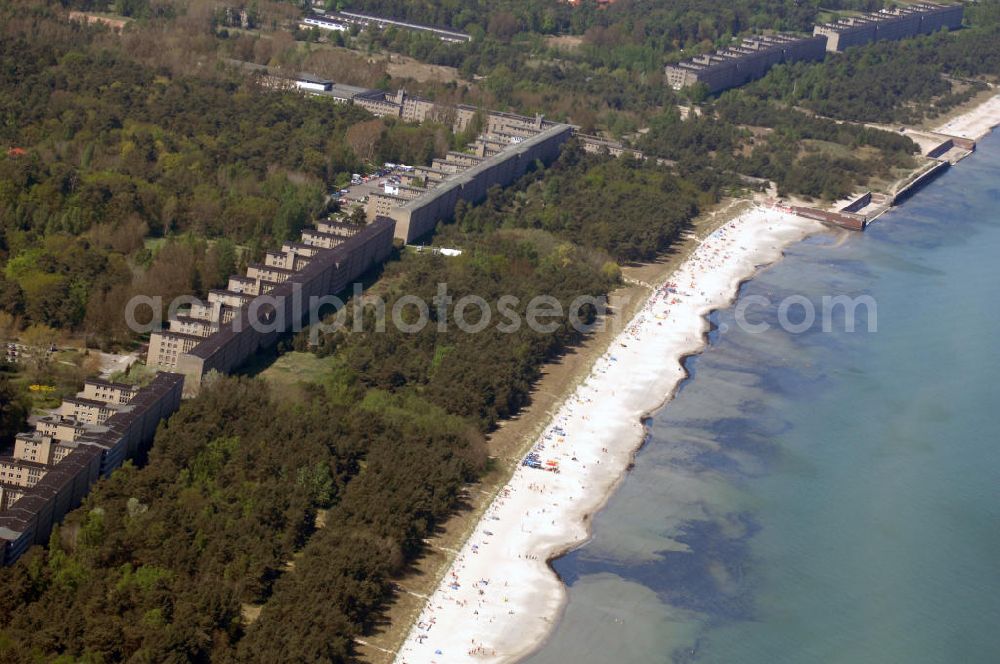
(975, 122)
(500, 597)
(522, 623)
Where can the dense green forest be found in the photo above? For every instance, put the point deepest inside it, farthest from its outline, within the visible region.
(487, 375)
(13, 409)
(803, 154)
(610, 75)
(629, 209)
(158, 563)
(161, 561)
(891, 81)
(598, 66)
(787, 127)
(102, 153)
(640, 22)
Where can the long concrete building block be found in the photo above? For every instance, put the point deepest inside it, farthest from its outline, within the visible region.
(63, 487)
(890, 25)
(419, 216)
(260, 323)
(745, 62)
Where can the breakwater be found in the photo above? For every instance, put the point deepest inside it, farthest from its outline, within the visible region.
(922, 179)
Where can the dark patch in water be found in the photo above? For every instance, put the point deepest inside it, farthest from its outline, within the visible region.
(688, 655)
(707, 459)
(710, 577)
(736, 438)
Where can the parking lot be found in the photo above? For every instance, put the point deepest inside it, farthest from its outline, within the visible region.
(360, 189)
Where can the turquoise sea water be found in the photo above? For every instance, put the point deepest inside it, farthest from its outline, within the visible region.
(826, 496)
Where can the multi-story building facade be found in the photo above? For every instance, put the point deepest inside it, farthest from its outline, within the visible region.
(376, 103)
(407, 107)
(380, 204)
(745, 62)
(293, 256)
(217, 335)
(109, 392)
(166, 346)
(50, 469)
(341, 228)
(468, 177)
(321, 240)
(424, 174)
(754, 56)
(890, 24)
(598, 145)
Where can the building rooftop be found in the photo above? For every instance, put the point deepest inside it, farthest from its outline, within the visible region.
(306, 77)
(467, 174)
(269, 268)
(347, 91)
(223, 291)
(298, 245)
(56, 418)
(108, 383)
(180, 335)
(321, 261)
(87, 402)
(887, 13)
(6, 458)
(336, 223)
(447, 31)
(311, 232)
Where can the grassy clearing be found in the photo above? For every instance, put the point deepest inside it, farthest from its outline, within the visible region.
(295, 368)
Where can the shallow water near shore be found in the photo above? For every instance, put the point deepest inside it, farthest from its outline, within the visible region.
(825, 496)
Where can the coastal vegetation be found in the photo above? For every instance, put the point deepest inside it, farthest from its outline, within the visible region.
(897, 82)
(128, 169)
(743, 134)
(487, 375)
(630, 209)
(134, 180)
(166, 558)
(609, 75)
(160, 561)
(140, 181)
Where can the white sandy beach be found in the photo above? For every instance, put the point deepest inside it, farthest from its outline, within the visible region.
(499, 599)
(976, 123)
